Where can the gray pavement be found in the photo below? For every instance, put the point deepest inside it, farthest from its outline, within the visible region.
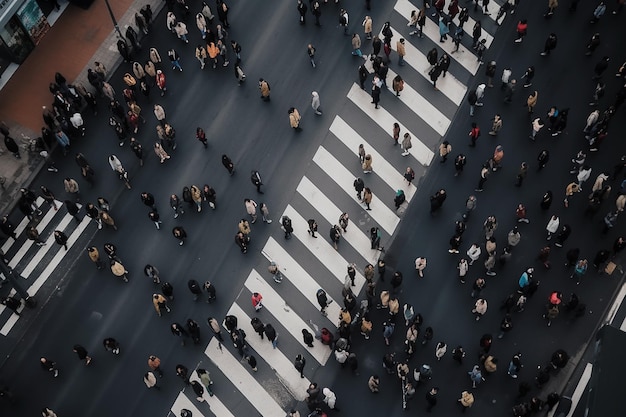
(90, 305)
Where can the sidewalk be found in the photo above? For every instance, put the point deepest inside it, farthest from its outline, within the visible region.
(77, 39)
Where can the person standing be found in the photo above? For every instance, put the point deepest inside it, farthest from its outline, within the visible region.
(294, 119)
(311, 52)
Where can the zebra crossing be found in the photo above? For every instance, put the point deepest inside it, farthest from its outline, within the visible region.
(323, 193)
(34, 263)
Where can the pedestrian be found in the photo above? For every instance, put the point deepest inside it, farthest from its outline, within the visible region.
(271, 334)
(294, 119)
(376, 84)
(315, 103)
(82, 354)
(252, 362)
(335, 235)
(484, 173)
(437, 200)
(49, 366)
(265, 89)
(367, 164)
(367, 198)
(195, 288)
(255, 178)
(228, 164)
(420, 265)
(179, 331)
(523, 171)
(198, 389)
(373, 383)
(180, 234)
(598, 12)
(476, 376)
(550, 44)
(444, 149)
(299, 364)
(522, 30)
(111, 345)
(496, 125)
(150, 380)
(480, 308)
(322, 300)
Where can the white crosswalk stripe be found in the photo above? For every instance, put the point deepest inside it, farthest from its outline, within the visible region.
(34, 264)
(241, 378)
(315, 263)
(386, 121)
(405, 7)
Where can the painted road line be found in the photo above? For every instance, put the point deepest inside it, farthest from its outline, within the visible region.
(284, 313)
(182, 401)
(43, 250)
(384, 169)
(422, 107)
(41, 279)
(300, 277)
(610, 316)
(448, 85)
(385, 217)
(355, 237)
(29, 243)
(431, 29)
(580, 388)
(326, 254)
(385, 120)
(283, 366)
(249, 387)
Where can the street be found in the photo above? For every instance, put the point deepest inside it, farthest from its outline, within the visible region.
(308, 174)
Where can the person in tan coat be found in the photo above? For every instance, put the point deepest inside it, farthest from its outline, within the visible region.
(106, 219)
(160, 152)
(265, 89)
(294, 118)
(531, 102)
(159, 302)
(119, 270)
(367, 164)
(401, 51)
(201, 56)
(367, 198)
(94, 255)
(367, 27)
(196, 195)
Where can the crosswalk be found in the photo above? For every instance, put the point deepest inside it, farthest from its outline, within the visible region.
(323, 193)
(35, 264)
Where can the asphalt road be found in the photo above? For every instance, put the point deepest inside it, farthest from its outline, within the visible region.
(91, 305)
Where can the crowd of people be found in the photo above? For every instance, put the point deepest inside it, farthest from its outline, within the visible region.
(381, 302)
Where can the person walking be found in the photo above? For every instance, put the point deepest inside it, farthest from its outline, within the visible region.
(180, 234)
(61, 238)
(160, 302)
(315, 103)
(82, 354)
(294, 119)
(299, 364)
(49, 365)
(255, 178)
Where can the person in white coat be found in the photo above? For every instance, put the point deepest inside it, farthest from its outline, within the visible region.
(420, 265)
(474, 253)
(553, 226)
(583, 175)
(116, 165)
(315, 102)
(440, 350)
(480, 308)
(330, 399)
